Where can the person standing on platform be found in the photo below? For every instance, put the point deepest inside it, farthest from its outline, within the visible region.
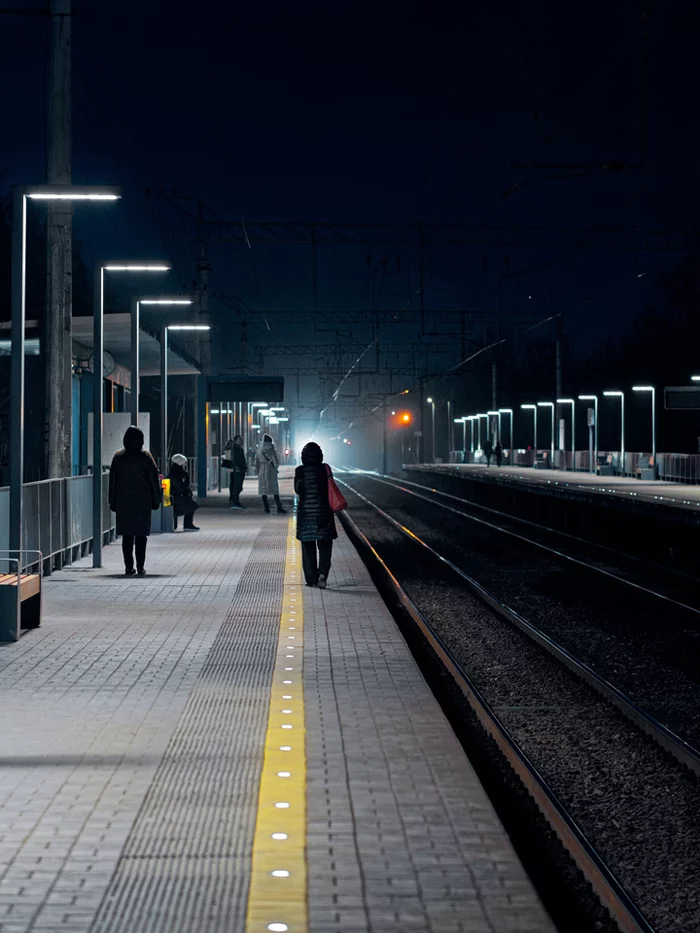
(488, 452)
(498, 453)
(184, 502)
(239, 468)
(134, 492)
(267, 466)
(315, 521)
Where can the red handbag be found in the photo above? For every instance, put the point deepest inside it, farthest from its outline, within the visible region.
(336, 499)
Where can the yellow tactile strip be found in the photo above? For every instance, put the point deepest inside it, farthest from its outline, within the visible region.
(277, 899)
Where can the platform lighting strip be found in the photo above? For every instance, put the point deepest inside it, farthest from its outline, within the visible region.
(277, 900)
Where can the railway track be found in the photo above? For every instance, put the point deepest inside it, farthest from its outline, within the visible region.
(572, 824)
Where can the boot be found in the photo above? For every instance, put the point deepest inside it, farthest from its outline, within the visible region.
(279, 505)
(266, 504)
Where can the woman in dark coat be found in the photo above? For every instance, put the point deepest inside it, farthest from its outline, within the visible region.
(315, 521)
(134, 492)
(184, 502)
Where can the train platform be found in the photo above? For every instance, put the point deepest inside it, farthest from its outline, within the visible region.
(565, 483)
(215, 747)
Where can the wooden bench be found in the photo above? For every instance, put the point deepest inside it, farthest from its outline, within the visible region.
(20, 600)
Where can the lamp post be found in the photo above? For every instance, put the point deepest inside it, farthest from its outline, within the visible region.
(98, 388)
(164, 387)
(19, 275)
(509, 411)
(533, 409)
(462, 421)
(497, 414)
(651, 389)
(551, 450)
(431, 402)
(570, 401)
(621, 396)
(594, 399)
(135, 341)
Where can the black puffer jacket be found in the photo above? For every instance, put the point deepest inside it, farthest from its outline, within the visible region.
(315, 521)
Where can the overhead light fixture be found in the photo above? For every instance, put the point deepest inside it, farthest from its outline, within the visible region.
(188, 327)
(165, 301)
(137, 267)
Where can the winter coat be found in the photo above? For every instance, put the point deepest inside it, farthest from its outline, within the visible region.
(266, 466)
(240, 465)
(315, 521)
(181, 491)
(134, 491)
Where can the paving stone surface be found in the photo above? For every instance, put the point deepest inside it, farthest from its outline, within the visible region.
(401, 835)
(132, 740)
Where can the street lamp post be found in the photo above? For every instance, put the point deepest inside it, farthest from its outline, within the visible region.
(551, 450)
(497, 414)
(621, 396)
(594, 399)
(509, 411)
(651, 389)
(18, 286)
(135, 344)
(462, 421)
(164, 387)
(570, 401)
(431, 402)
(533, 409)
(470, 419)
(98, 389)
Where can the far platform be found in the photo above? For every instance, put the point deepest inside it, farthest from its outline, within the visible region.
(215, 748)
(564, 482)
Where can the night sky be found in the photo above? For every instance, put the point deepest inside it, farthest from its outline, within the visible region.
(389, 112)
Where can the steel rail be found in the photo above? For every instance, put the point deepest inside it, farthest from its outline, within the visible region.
(609, 890)
(683, 752)
(398, 484)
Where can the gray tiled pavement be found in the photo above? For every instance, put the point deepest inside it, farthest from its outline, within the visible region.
(118, 812)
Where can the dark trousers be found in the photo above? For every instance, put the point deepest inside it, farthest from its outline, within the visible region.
(188, 523)
(128, 542)
(235, 487)
(312, 570)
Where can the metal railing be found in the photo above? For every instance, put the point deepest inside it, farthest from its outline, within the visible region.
(57, 518)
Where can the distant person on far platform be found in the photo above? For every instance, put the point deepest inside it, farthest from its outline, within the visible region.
(267, 466)
(488, 452)
(134, 492)
(498, 453)
(315, 521)
(238, 465)
(183, 500)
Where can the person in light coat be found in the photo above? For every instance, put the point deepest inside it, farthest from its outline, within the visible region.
(267, 466)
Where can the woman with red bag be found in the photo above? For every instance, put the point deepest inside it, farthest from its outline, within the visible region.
(315, 521)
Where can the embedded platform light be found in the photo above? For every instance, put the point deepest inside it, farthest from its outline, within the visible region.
(280, 836)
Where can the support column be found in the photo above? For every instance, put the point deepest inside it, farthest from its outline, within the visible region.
(59, 249)
(202, 439)
(135, 361)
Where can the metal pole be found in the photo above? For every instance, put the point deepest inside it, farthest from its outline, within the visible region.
(384, 440)
(478, 428)
(19, 256)
(464, 441)
(551, 466)
(471, 436)
(449, 429)
(534, 425)
(135, 309)
(432, 411)
(653, 428)
(97, 407)
(595, 433)
(573, 437)
(622, 432)
(164, 400)
(59, 237)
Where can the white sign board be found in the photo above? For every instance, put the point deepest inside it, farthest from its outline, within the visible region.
(114, 424)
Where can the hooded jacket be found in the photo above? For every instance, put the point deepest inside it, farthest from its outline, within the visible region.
(266, 466)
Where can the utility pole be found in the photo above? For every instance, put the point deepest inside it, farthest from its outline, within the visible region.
(59, 253)
(493, 421)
